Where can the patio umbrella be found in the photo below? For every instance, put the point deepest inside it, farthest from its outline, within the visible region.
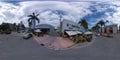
(70, 33)
(88, 32)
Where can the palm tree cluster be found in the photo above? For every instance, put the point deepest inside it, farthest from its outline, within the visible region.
(96, 27)
(100, 25)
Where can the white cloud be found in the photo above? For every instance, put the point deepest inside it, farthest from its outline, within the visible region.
(115, 16)
(73, 10)
(9, 12)
(61, 0)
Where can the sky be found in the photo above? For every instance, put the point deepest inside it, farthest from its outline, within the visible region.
(49, 10)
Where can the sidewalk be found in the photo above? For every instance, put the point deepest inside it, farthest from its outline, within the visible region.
(54, 42)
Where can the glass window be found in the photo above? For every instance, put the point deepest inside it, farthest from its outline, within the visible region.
(67, 24)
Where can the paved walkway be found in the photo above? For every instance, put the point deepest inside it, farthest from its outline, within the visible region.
(54, 42)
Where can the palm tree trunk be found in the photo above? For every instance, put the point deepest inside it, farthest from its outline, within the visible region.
(101, 30)
(33, 24)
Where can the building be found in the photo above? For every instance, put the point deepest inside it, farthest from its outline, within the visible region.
(66, 26)
(45, 28)
(113, 28)
(70, 26)
(110, 29)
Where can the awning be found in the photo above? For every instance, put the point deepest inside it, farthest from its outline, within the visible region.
(70, 33)
(88, 32)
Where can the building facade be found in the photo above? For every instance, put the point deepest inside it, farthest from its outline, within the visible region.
(70, 26)
(45, 27)
(110, 29)
(113, 28)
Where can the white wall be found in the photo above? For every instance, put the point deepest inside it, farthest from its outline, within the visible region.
(115, 29)
(70, 25)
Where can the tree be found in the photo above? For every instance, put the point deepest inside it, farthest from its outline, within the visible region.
(32, 20)
(101, 23)
(21, 26)
(83, 23)
(5, 26)
(15, 26)
(96, 27)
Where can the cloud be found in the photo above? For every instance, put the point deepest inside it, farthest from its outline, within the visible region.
(91, 10)
(105, 11)
(17, 13)
(9, 12)
(61, 0)
(114, 16)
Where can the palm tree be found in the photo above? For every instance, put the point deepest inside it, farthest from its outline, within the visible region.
(83, 23)
(106, 22)
(32, 20)
(101, 23)
(95, 28)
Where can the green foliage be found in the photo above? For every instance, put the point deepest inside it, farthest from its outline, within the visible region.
(4, 26)
(101, 23)
(95, 28)
(84, 23)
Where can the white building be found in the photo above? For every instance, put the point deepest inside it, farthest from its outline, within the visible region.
(113, 29)
(45, 28)
(70, 26)
(66, 26)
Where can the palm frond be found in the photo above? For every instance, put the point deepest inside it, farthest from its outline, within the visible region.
(37, 19)
(33, 14)
(37, 14)
(30, 15)
(29, 19)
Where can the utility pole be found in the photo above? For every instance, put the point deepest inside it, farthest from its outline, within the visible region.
(60, 25)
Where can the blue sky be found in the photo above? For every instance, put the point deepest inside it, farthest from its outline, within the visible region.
(92, 11)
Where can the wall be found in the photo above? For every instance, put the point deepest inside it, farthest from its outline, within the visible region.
(69, 25)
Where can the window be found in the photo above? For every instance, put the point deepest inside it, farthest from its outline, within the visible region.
(70, 28)
(67, 24)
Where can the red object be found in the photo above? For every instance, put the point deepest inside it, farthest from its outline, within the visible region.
(102, 33)
(108, 29)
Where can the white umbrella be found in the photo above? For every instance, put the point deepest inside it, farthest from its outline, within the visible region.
(88, 32)
(70, 33)
(78, 32)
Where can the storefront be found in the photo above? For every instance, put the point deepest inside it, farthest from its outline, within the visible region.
(45, 28)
